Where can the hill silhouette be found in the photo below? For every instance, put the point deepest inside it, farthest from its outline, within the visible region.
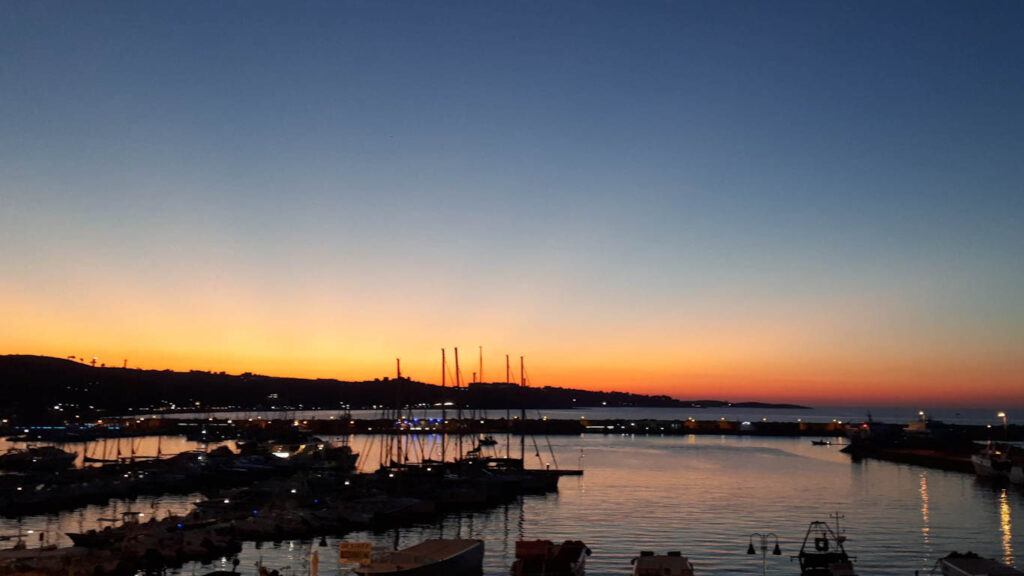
(39, 389)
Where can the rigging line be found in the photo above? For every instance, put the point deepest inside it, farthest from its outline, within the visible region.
(416, 443)
(552, 451)
(428, 451)
(364, 455)
(426, 446)
(415, 447)
(384, 453)
(536, 451)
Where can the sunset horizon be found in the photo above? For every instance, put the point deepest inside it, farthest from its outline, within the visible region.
(690, 387)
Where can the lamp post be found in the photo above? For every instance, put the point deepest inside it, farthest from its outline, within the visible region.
(764, 549)
(1006, 431)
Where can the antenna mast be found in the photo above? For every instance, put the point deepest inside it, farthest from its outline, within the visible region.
(444, 409)
(508, 415)
(458, 400)
(522, 416)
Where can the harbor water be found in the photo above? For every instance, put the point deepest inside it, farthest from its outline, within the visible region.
(701, 495)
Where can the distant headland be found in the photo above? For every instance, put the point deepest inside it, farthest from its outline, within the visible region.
(43, 388)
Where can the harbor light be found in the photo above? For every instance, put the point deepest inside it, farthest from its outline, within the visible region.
(1006, 431)
(764, 548)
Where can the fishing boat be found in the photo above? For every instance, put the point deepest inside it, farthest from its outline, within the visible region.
(671, 564)
(108, 536)
(822, 552)
(545, 558)
(970, 564)
(429, 558)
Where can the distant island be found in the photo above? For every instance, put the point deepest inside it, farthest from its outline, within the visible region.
(46, 389)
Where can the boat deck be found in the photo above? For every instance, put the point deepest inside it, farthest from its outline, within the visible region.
(420, 555)
(977, 567)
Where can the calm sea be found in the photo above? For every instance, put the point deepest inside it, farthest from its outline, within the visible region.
(702, 495)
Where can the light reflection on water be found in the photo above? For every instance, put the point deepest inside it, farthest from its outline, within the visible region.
(924, 507)
(702, 495)
(1005, 527)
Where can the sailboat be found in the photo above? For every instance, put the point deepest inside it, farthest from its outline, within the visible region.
(512, 469)
(470, 477)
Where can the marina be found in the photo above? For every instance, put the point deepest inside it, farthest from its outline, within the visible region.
(701, 494)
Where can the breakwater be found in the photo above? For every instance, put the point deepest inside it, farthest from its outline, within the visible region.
(214, 428)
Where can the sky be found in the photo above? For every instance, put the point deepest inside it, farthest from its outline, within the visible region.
(815, 202)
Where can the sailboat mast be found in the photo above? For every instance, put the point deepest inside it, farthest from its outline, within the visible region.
(522, 407)
(458, 400)
(444, 410)
(398, 411)
(508, 415)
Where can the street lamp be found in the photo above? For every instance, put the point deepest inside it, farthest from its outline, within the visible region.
(1006, 432)
(764, 549)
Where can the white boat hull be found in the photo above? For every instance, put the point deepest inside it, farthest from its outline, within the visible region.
(1017, 474)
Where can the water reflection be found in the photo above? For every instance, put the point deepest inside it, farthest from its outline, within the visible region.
(925, 526)
(1004, 528)
(702, 495)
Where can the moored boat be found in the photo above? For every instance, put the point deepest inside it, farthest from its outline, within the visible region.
(1017, 473)
(970, 564)
(40, 458)
(823, 554)
(991, 462)
(671, 564)
(543, 557)
(430, 558)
